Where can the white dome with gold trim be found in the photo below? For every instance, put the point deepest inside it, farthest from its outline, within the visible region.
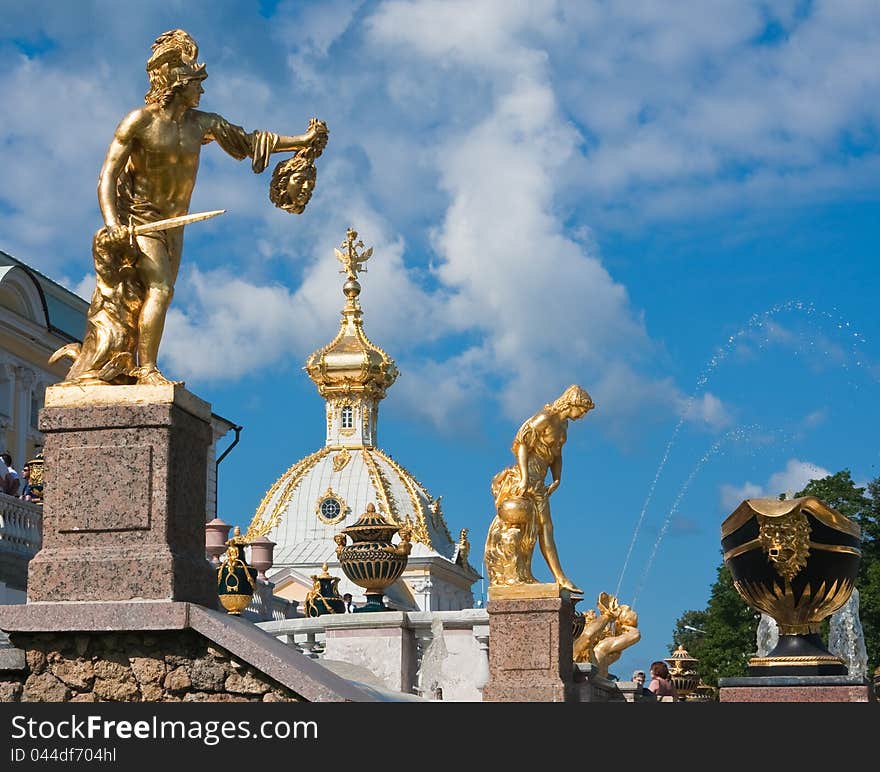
(329, 490)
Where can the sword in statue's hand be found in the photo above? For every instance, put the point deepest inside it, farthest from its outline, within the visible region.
(171, 222)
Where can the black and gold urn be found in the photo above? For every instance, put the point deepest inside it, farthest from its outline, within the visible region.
(795, 560)
(236, 580)
(371, 561)
(578, 623)
(36, 478)
(324, 596)
(683, 672)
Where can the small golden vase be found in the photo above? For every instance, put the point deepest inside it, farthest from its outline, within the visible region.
(371, 561)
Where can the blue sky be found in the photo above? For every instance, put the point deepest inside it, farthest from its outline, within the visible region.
(674, 205)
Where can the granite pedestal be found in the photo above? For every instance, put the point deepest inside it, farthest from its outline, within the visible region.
(819, 688)
(125, 492)
(530, 657)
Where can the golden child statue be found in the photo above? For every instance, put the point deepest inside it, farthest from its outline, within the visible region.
(144, 192)
(522, 496)
(605, 636)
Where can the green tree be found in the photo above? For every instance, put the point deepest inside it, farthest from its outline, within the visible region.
(841, 493)
(730, 627)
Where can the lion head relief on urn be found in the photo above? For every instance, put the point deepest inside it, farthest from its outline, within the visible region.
(795, 560)
(372, 561)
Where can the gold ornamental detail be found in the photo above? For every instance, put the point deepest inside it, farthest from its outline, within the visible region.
(365, 421)
(805, 612)
(380, 484)
(410, 480)
(786, 542)
(784, 661)
(419, 531)
(261, 524)
(330, 507)
(340, 460)
(353, 258)
(464, 546)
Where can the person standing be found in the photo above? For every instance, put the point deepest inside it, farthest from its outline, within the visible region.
(661, 682)
(12, 480)
(27, 493)
(349, 605)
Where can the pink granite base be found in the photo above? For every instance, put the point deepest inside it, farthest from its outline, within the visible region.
(124, 506)
(530, 659)
(842, 693)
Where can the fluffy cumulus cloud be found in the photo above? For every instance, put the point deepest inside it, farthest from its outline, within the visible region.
(471, 144)
(789, 480)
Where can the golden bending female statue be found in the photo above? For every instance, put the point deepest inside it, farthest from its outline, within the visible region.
(147, 179)
(522, 496)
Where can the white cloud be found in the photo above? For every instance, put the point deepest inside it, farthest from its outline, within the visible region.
(793, 478)
(707, 409)
(733, 495)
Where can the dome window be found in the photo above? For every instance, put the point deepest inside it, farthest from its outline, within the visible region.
(347, 417)
(331, 508)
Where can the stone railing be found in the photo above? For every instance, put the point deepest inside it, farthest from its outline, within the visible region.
(266, 607)
(21, 528)
(440, 655)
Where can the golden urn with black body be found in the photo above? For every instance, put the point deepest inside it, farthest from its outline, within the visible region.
(797, 561)
(236, 578)
(683, 672)
(371, 561)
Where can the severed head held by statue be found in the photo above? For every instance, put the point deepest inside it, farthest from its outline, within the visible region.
(144, 191)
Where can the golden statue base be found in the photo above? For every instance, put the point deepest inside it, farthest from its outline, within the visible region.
(530, 591)
(68, 395)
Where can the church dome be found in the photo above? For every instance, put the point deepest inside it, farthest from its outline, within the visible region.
(330, 489)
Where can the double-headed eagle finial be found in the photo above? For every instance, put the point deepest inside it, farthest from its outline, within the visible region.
(352, 260)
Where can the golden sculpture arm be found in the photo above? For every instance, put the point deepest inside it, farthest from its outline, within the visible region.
(114, 162)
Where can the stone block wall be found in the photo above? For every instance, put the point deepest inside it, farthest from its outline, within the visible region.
(153, 666)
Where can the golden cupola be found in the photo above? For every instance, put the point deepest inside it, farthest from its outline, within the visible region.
(351, 372)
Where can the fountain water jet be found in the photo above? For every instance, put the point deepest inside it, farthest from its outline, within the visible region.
(756, 322)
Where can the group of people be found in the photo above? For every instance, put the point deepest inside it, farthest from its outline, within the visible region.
(661, 684)
(13, 483)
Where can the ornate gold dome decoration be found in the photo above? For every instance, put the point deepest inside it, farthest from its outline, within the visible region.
(382, 487)
(331, 507)
(421, 532)
(263, 520)
(340, 460)
(351, 364)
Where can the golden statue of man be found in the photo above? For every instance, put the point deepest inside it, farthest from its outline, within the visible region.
(147, 177)
(522, 496)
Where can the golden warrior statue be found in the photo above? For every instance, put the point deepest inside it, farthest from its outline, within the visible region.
(144, 192)
(522, 496)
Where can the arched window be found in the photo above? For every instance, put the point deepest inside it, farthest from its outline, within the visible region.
(348, 417)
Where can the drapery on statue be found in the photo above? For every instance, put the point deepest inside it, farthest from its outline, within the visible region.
(605, 636)
(522, 496)
(147, 178)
